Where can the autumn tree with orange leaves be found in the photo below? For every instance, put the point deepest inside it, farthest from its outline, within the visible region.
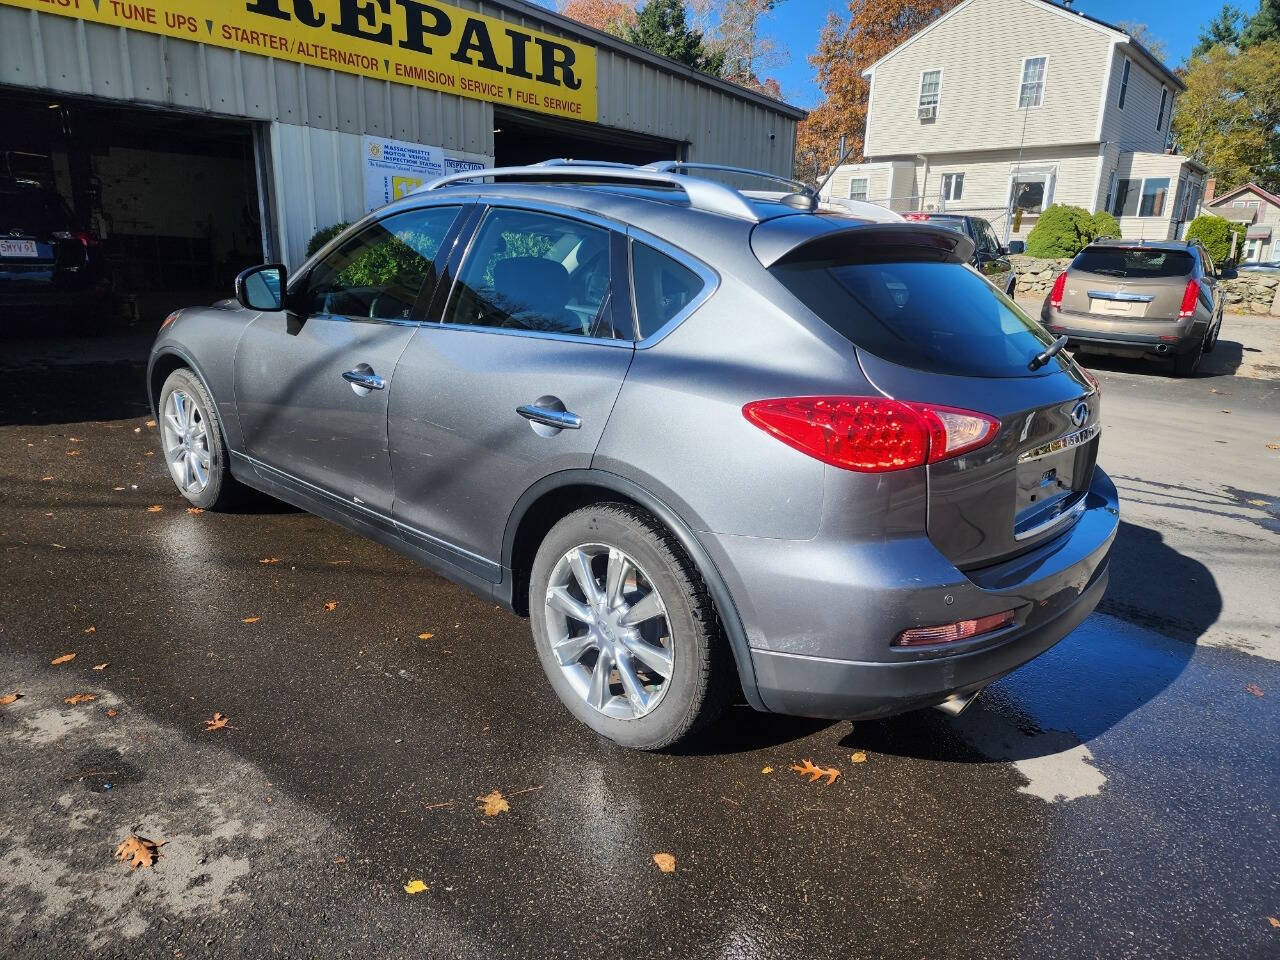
(609, 16)
(845, 49)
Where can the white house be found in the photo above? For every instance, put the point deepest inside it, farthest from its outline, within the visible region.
(1002, 107)
(1259, 210)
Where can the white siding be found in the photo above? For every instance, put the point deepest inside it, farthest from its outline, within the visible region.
(888, 184)
(980, 49)
(1141, 166)
(1134, 127)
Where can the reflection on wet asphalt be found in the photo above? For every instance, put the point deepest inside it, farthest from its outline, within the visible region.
(1116, 797)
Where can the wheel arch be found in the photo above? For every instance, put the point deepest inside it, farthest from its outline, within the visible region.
(558, 495)
(168, 359)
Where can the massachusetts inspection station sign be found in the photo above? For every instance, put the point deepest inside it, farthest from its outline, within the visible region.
(424, 44)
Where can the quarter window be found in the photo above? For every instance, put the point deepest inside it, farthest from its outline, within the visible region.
(378, 273)
(1124, 83)
(858, 188)
(1031, 93)
(1155, 190)
(535, 271)
(930, 91)
(663, 287)
(952, 186)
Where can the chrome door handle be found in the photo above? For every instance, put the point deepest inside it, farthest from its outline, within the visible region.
(561, 419)
(361, 378)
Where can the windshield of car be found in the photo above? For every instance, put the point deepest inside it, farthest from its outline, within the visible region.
(1134, 263)
(930, 315)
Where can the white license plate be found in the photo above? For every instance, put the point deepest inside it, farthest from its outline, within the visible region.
(17, 248)
(1113, 308)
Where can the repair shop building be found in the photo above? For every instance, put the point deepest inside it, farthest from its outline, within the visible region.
(195, 136)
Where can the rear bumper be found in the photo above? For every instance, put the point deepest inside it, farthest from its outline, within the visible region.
(1125, 338)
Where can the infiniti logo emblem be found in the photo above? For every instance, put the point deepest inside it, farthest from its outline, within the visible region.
(1080, 413)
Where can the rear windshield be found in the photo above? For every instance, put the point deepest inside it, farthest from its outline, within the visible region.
(32, 212)
(941, 317)
(947, 223)
(1134, 264)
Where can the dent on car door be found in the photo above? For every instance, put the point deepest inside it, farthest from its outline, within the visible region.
(312, 381)
(513, 381)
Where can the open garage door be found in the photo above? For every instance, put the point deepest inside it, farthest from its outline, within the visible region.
(116, 215)
(519, 138)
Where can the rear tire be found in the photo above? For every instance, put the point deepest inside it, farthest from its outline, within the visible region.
(1184, 364)
(645, 684)
(192, 443)
(1213, 338)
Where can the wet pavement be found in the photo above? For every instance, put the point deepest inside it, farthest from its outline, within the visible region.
(1116, 797)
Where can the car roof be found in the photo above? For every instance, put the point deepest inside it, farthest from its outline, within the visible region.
(1181, 245)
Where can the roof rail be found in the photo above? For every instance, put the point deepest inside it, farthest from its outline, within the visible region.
(676, 166)
(703, 194)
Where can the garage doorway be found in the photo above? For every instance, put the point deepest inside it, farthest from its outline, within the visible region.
(520, 138)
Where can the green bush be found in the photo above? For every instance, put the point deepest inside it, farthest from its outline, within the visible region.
(1061, 231)
(1215, 233)
(321, 237)
(1104, 225)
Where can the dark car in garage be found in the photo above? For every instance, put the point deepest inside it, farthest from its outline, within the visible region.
(44, 255)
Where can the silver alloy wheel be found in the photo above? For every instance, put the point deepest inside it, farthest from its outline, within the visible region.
(609, 631)
(186, 442)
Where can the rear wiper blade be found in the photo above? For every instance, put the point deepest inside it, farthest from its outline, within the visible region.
(1044, 356)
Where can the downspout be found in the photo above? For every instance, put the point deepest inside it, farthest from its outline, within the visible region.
(924, 180)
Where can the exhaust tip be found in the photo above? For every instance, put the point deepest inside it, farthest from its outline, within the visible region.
(954, 706)
(1162, 348)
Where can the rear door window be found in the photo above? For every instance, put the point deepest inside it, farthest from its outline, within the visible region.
(1135, 263)
(929, 315)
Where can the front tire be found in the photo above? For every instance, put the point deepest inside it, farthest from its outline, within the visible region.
(192, 443)
(625, 629)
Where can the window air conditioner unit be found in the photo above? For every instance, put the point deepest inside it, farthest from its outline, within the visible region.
(928, 113)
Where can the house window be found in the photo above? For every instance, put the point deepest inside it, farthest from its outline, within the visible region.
(930, 92)
(1155, 190)
(1124, 82)
(858, 188)
(1031, 93)
(1127, 193)
(1164, 99)
(952, 186)
(1031, 192)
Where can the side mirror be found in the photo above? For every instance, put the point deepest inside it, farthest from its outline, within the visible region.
(1016, 246)
(262, 288)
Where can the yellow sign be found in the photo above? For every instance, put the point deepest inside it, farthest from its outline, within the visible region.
(417, 42)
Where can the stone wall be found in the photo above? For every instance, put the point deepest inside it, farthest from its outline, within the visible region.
(1245, 292)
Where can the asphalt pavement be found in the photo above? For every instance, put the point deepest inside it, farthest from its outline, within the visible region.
(1117, 797)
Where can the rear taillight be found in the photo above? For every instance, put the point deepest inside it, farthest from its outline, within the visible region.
(872, 434)
(1059, 288)
(1190, 297)
(951, 632)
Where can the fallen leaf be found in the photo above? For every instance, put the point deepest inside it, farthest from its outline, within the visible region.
(1270, 446)
(665, 861)
(1274, 922)
(65, 658)
(112, 712)
(216, 722)
(250, 619)
(766, 770)
(1258, 503)
(1226, 411)
(816, 773)
(90, 629)
(1254, 689)
(339, 859)
(493, 804)
(415, 886)
(50, 478)
(195, 509)
(138, 851)
(269, 560)
(154, 508)
(113, 488)
(9, 698)
(858, 757)
(149, 453)
(151, 423)
(76, 698)
(103, 666)
(425, 636)
(73, 453)
(331, 606)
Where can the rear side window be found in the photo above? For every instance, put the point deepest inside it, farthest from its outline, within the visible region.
(928, 315)
(663, 287)
(1134, 264)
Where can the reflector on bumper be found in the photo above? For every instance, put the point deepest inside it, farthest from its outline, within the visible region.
(951, 632)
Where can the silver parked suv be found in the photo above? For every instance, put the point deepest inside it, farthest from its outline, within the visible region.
(712, 442)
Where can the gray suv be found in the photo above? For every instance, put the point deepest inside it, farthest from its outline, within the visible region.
(714, 443)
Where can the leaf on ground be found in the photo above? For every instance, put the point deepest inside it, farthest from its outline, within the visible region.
(415, 886)
(331, 606)
(50, 478)
(269, 560)
(425, 636)
(1274, 922)
(151, 423)
(76, 698)
(91, 629)
(1254, 689)
(493, 804)
(65, 658)
(195, 509)
(138, 851)
(766, 769)
(73, 453)
(112, 712)
(806, 768)
(1226, 411)
(102, 666)
(1258, 503)
(1270, 446)
(665, 861)
(858, 757)
(250, 619)
(9, 698)
(216, 722)
(154, 508)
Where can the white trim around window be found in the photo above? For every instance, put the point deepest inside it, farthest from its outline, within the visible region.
(935, 98)
(1042, 83)
(953, 186)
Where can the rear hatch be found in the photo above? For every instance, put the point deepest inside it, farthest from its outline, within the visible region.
(27, 245)
(1139, 283)
(927, 328)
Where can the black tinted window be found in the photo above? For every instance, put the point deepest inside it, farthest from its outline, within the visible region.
(933, 316)
(663, 287)
(1134, 263)
(534, 271)
(33, 212)
(378, 273)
